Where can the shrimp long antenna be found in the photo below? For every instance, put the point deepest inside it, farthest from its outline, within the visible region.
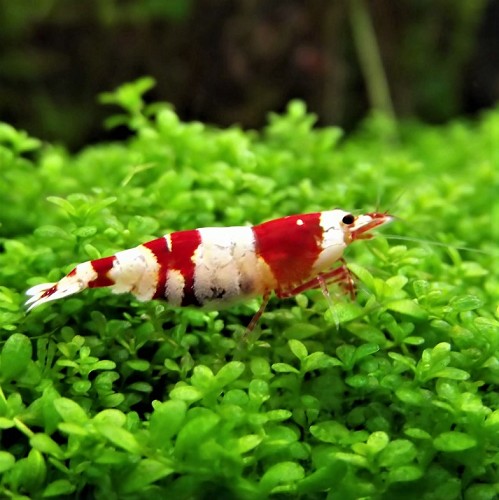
(435, 243)
(396, 201)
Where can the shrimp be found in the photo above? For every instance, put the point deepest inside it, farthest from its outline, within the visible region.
(216, 266)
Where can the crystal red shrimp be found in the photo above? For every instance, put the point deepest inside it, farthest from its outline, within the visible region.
(219, 265)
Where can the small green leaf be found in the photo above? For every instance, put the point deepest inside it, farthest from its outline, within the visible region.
(120, 437)
(318, 361)
(344, 312)
(452, 373)
(416, 433)
(284, 368)
(481, 492)
(298, 349)
(15, 356)
(260, 367)
(103, 364)
(64, 204)
(330, 432)
(171, 365)
(466, 303)
(58, 488)
(397, 452)
(368, 333)
(48, 232)
(365, 350)
(67, 363)
(363, 274)
(45, 444)
(300, 330)
(186, 393)
(202, 378)
(146, 472)
(70, 411)
(411, 396)
(278, 415)
(6, 423)
(82, 386)
(34, 470)
(351, 458)
(112, 400)
(166, 420)
(346, 353)
(140, 365)
(454, 441)
(75, 429)
(397, 282)
(110, 417)
(141, 387)
(414, 340)
(129, 95)
(440, 351)
(236, 397)
(19, 140)
(228, 373)
(433, 361)
(7, 460)
(407, 307)
(323, 478)
(421, 288)
(377, 441)
(258, 391)
(493, 419)
(194, 432)
(358, 380)
(91, 251)
(282, 472)
(405, 473)
(85, 231)
(248, 442)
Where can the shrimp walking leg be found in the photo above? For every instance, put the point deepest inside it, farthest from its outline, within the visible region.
(339, 275)
(256, 318)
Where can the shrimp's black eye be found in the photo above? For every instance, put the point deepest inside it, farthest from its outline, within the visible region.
(348, 219)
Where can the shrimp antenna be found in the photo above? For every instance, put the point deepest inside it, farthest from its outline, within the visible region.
(396, 201)
(379, 194)
(435, 243)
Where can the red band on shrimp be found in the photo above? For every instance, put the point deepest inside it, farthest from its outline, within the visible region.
(275, 238)
(183, 246)
(102, 267)
(159, 247)
(49, 292)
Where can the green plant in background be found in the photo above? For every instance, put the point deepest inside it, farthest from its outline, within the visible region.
(106, 397)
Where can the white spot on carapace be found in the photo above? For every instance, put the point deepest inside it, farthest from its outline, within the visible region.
(299, 222)
(168, 239)
(174, 290)
(135, 271)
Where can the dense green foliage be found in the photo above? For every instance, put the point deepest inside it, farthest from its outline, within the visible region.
(105, 397)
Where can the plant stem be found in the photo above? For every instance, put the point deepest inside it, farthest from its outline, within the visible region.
(369, 57)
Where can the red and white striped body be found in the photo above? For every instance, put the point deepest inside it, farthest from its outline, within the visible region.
(219, 265)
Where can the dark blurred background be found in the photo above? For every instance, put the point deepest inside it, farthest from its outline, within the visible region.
(227, 62)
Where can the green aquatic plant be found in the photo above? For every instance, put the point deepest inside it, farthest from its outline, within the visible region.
(106, 397)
